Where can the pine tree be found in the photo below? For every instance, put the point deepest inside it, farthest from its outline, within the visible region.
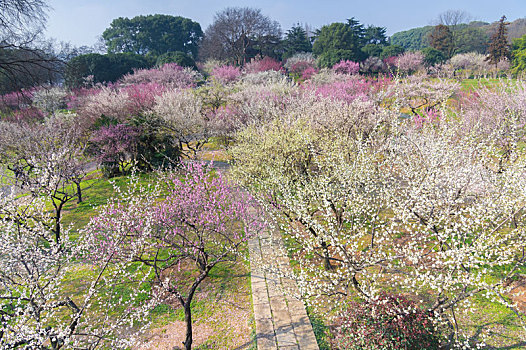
(499, 47)
(296, 40)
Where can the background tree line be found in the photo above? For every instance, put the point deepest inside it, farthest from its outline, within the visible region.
(236, 36)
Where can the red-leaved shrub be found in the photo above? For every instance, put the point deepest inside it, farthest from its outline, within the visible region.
(389, 322)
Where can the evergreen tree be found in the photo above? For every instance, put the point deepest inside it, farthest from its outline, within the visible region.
(153, 34)
(441, 39)
(499, 47)
(375, 35)
(296, 40)
(340, 41)
(358, 31)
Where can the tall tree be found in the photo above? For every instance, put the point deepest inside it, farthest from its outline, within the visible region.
(102, 68)
(441, 39)
(499, 47)
(238, 34)
(519, 54)
(155, 34)
(296, 40)
(375, 35)
(471, 39)
(357, 29)
(453, 18)
(340, 41)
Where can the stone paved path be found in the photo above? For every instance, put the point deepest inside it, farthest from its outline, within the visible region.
(281, 319)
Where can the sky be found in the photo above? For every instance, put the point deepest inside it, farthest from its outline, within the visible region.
(81, 22)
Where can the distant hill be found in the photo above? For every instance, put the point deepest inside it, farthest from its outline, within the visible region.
(412, 39)
(416, 38)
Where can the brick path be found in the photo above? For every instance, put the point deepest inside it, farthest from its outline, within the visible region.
(281, 319)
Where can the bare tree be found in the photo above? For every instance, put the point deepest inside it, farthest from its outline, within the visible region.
(239, 33)
(453, 18)
(18, 15)
(24, 60)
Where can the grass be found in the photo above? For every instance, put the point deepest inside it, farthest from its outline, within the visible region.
(96, 192)
(473, 84)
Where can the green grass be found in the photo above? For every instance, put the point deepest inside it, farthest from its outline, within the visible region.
(473, 84)
(96, 191)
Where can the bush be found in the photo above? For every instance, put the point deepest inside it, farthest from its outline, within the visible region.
(388, 322)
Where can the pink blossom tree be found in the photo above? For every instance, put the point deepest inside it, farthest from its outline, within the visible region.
(113, 146)
(169, 75)
(203, 221)
(409, 62)
(262, 65)
(226, 74)
(346, 67)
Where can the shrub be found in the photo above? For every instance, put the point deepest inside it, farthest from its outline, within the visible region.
(346, 67)
(388, 322)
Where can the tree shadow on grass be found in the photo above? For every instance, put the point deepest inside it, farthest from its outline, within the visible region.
(517, 339)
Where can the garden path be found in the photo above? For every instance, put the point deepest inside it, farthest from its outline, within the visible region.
(281, 319)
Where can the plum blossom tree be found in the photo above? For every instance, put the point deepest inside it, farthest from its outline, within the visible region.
(226, 74)
(185, 117)
(346, 67)
(202, 222)
(114, 146)
(39, 310)
(418, 92)
(46, 160)
(409, 62)
(169, 75)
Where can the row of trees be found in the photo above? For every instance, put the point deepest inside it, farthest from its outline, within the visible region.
(237, 35)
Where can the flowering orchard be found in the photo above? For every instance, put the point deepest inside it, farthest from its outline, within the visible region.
(431, 204)
(400, 197)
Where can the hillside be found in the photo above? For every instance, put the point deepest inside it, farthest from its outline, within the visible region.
(472, 36)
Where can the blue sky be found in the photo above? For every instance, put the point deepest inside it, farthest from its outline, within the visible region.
(82, 21)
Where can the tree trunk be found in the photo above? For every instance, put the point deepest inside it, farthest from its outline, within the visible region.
(326, 258)
(79, 193)
(188, 320)
(58, 214)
